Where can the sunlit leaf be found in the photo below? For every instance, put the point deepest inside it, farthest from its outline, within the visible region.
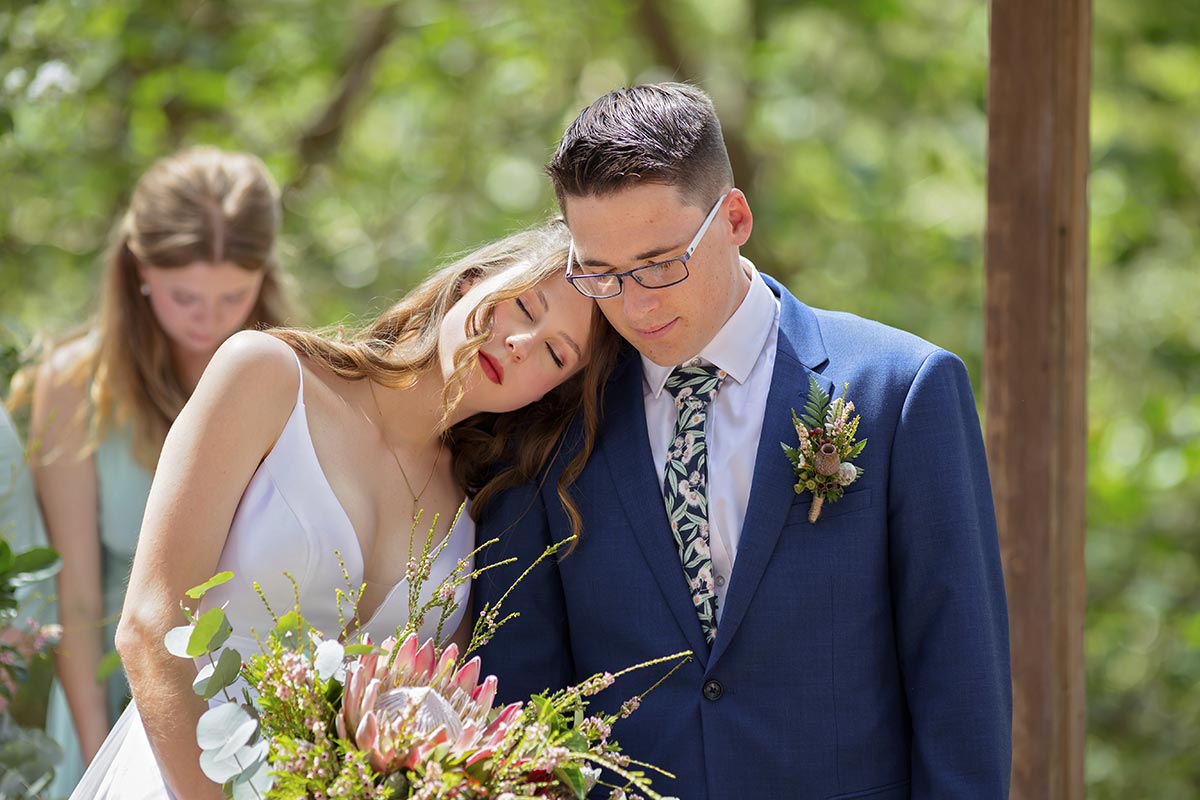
(211, 631)
(177, 640)
(196, 592)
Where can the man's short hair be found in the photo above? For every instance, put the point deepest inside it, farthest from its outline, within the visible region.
(665, 133)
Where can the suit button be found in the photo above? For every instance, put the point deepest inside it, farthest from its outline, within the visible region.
(713, 690)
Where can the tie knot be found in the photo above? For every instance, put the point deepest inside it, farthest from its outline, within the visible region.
(699, 382)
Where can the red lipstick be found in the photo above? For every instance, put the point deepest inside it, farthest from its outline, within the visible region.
(491, 368)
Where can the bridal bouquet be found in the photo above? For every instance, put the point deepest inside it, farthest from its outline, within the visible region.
(328, 717)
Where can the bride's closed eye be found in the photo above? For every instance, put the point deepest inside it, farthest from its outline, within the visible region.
(558, 362)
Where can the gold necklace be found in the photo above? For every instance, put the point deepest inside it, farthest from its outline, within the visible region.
(416, 496)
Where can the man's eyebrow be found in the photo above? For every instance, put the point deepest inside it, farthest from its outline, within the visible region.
(643, 256)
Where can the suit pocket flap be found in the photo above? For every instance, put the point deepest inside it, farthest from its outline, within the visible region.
(849, 502)
(892, 791)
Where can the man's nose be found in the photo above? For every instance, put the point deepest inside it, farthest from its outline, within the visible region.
(637, 299)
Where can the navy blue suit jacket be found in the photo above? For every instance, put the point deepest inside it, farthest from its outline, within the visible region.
(864, 656)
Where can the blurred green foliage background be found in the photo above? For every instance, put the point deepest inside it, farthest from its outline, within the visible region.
(406, 132)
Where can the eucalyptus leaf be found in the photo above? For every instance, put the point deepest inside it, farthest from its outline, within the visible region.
(212, 629)
(228, 667)
(254, 754)
(220, 770)
(240, 739)
(256, 786)
(220, 724)
(177, 640)
(200, 684)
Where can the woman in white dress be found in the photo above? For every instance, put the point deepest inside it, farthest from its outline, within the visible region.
(299, 454)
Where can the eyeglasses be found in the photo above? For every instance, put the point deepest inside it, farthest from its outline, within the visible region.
(658, 275)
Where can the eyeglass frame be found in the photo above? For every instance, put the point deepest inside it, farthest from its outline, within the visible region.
(682, 258)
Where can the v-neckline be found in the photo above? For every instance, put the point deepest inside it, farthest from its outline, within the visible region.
(301, 409)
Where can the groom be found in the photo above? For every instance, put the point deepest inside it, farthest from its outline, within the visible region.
(864, 655)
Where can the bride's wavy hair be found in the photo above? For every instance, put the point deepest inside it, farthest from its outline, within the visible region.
(492, 452)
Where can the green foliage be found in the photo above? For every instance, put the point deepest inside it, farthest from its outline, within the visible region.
(27, 755)
(22, 569)
(816, 406)
(858, 131)
(1143, 634)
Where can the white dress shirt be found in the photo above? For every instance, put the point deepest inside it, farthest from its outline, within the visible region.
(745, 349)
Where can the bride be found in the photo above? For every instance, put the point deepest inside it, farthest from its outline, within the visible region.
(299, 457)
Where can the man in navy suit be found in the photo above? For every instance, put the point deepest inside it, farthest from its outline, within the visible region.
(864, 655)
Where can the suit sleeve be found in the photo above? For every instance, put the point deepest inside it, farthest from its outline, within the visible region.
(530, 653)
(951, 617)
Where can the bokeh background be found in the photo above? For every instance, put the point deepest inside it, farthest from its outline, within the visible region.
(403, 133)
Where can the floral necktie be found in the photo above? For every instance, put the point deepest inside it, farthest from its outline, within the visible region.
(685, 486)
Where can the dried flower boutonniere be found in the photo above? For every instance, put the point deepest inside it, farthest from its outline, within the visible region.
(827, 446)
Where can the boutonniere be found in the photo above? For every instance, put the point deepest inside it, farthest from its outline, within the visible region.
(827, 446)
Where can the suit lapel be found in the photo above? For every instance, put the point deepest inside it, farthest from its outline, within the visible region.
(626, 449)
(799, 351)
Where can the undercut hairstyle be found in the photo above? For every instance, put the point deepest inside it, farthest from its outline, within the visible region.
(661, 133)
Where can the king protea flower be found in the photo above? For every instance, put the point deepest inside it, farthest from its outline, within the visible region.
(399, 714)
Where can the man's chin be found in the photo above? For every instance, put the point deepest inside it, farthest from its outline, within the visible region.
(663, 357)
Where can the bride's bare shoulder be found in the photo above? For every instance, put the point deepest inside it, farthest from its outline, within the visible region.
(251, 373)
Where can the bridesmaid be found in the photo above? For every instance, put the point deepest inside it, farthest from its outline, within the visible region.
(192, 263)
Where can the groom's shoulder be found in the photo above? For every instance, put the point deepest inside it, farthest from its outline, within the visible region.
(866, 351)
(850, 335)
(846, 335)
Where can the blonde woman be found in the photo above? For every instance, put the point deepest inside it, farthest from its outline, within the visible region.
(304, 456)
(192, 263)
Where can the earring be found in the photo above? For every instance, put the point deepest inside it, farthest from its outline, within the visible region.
(144, 289)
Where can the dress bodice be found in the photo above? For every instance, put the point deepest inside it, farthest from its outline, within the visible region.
(291, 535)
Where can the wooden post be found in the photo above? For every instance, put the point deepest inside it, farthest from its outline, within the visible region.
(1035, 373)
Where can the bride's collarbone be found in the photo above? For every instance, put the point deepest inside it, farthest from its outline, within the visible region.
(366, 480)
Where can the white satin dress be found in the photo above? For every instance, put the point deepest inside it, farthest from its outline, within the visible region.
(289, 522)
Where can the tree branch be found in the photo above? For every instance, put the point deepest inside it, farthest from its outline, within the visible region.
(661, 36)
(319, 143)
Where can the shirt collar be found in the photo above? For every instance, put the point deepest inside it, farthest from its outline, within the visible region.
(736, 347)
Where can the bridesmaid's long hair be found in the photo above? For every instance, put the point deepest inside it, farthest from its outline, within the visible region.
(200, 205)
(492, 452)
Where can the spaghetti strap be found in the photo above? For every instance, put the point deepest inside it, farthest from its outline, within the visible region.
(299, 366)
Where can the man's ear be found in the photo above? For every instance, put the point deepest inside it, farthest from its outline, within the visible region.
(741, 219)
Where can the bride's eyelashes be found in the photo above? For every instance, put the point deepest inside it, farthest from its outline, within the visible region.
(558, 363)
(524, 310)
